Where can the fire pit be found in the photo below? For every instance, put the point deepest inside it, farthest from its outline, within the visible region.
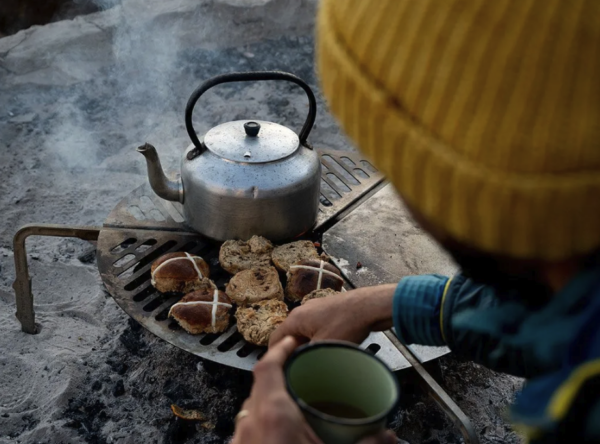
(68, 380)
(143, 227)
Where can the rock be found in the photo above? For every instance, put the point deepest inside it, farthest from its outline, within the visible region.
(88, 256)
(23, 118)
(59, 54)
(119, 388)
(59, 45)
(10, 42)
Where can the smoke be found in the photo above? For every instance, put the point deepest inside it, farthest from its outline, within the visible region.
(70, 141)
(142, 59)
(138, 78)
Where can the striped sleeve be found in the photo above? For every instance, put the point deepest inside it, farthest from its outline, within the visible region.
(416, 312)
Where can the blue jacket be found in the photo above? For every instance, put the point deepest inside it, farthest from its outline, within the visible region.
(556, 346)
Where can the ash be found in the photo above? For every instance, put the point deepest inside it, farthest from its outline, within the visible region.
(126, 397)
(78, 96)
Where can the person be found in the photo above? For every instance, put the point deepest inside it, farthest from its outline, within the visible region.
(485, 116)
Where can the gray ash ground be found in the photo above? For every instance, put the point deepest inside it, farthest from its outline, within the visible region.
(139, 380)
(142, 376)
(67, 155)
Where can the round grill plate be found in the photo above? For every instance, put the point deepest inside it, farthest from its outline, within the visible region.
(143, 227)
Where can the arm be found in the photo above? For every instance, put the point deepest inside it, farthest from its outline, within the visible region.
(467, 317)
(427, 310)
(563, 407)
(349, 316)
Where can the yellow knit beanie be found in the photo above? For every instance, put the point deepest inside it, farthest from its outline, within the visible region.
(484, 114)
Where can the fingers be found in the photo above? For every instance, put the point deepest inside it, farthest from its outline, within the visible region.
(289, 327)
(268, 372)
(243, 429)
(271, 410)
(280, 352)
(386, 437)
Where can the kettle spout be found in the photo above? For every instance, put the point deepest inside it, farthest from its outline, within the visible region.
(161, 184)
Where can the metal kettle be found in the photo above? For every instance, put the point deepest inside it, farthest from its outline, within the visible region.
(245, 177)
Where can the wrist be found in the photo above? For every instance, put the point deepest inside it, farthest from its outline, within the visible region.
(375, 306)
(417, 309)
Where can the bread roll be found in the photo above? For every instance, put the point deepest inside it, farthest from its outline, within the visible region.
(255, 284)
(289, 254)
(318, 294)
(180, 272)
(202, 311)
(236, 256)
(257, 321)
(309, 275)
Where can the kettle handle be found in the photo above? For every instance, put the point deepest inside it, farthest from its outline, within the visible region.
(251, 76)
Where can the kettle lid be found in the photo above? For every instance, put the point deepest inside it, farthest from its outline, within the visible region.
(251, 141)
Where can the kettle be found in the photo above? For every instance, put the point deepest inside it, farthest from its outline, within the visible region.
(245, 177)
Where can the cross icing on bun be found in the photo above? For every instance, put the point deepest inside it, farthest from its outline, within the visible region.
(180, 272)
(202, 311)
(309, 275)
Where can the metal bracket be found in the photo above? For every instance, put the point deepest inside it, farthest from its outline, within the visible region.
(22, 284)
(436, 392)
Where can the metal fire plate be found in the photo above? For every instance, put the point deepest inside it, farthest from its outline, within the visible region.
(143, 227)
(381, 235)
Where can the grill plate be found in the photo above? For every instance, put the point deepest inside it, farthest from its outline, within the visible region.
(143, 227)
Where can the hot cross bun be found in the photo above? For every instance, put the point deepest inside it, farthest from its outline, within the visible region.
(308, 275)
(180, 272)
(202, 311)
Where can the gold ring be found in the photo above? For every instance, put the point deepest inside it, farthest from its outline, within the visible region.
(241, 414)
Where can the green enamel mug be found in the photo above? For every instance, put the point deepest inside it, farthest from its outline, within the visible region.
(344, 392)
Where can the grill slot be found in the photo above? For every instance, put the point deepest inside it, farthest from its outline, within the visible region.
(173, 325)
(142, 295)
(143, 227)
(374, 348)
(346, 161)
(246, 350)
(145, 246)
(124, 260)
(339, 185)
(162, 316)
(368, 166)
(329, 193)
(344, 173)
(123, 245)
(151, 257)
(138, 281)
(360, 173)
(209, 338)
(229, 343)
(325, 202)
(154, 304)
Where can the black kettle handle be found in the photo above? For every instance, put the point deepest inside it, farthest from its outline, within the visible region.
(251, 76)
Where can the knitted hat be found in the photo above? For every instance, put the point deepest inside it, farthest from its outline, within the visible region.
(485, 115)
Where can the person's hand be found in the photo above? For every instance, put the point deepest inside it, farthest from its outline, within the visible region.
(350, 316)
(270, 416)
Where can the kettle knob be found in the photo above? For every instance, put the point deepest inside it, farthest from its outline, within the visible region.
(252, 128)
